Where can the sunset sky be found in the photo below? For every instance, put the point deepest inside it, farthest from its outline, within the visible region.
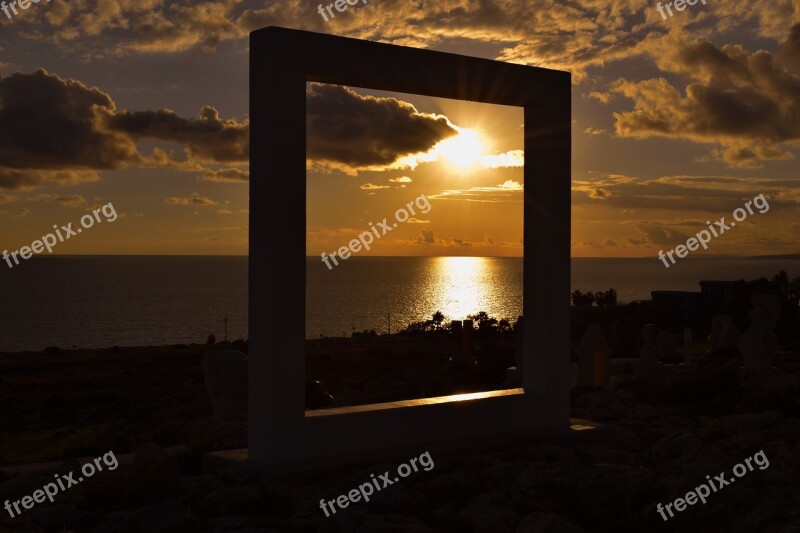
(465, 157)
(144, 104)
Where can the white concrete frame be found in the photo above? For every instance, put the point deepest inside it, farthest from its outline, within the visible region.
(281, 433)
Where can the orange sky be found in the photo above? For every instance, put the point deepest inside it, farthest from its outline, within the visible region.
(144, 104)
(473, 178)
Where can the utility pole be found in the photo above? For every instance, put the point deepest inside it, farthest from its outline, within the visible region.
(226, 329)
(389, 320)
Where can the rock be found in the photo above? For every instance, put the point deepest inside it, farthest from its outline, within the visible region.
(150, 455)
(243, 524)
(787, 462)
(12, 488)
(644, 411)
(749, 422)
(667, 343)
(648, 355)
(718, 324)
(547, 523)
(225, 374)
(675, 445)
(219, 434)
(729, 339)
(620, 437)
(593, 358)
(687, 346)
(392, 524)
(195, 487)
(57, 516)
(770, 305)
(227, 501)
(165, 517)
(758, 344)
(486, 515)
(745, 441)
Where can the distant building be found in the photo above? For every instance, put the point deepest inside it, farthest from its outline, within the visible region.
(715, 292)
(682, 308)
(676, 308)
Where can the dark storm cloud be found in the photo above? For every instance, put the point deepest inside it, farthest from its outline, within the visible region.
(747, 101)
(50, 123)
(790, 49)
(60, 130)
(208, 137)
(362, 131)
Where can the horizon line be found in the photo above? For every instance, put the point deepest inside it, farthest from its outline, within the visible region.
(776, 256)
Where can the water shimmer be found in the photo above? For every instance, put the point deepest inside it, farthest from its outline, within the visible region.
(130, 301)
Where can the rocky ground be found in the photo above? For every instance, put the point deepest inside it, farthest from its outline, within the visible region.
(657, 440)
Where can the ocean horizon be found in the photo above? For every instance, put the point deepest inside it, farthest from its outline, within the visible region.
(102, 301)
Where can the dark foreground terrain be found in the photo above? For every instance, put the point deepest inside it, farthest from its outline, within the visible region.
(655, 441)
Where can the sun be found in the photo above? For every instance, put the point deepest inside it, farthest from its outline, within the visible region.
(463, 151)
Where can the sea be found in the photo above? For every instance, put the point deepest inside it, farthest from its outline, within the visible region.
(103, 301)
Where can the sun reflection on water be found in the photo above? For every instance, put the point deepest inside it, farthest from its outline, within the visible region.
(463, 285)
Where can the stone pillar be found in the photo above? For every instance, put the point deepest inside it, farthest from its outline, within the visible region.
(520, 346)
(468, 339)
(456, 340)
(687, 347)
(648, 359)
(593, 358)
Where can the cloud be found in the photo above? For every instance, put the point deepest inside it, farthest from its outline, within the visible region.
(227, 175)
(790, 48)
(204, 25)
(661, 235)
(19, 213)
(748, 156)
(746, 101)
(402, 179)
(705, 194)
(373, 187)
(194, 199)
(513, 158)
(594, 131)
(569, 36)
(426, 237)
(47, 123)
(145, 26)
(7, 198)
(414, 220)
(574, 36)
(58, 130)
(74, 200)
(509, 191)
(599, 193)
(362, 131)
(602, 97)
(29, 179)
(207, 137)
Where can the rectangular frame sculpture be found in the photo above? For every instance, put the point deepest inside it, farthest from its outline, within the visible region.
(282, 434)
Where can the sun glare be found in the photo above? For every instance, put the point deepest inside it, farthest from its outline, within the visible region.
(463, 151)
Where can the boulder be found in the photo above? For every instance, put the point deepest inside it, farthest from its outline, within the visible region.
(225, 374)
